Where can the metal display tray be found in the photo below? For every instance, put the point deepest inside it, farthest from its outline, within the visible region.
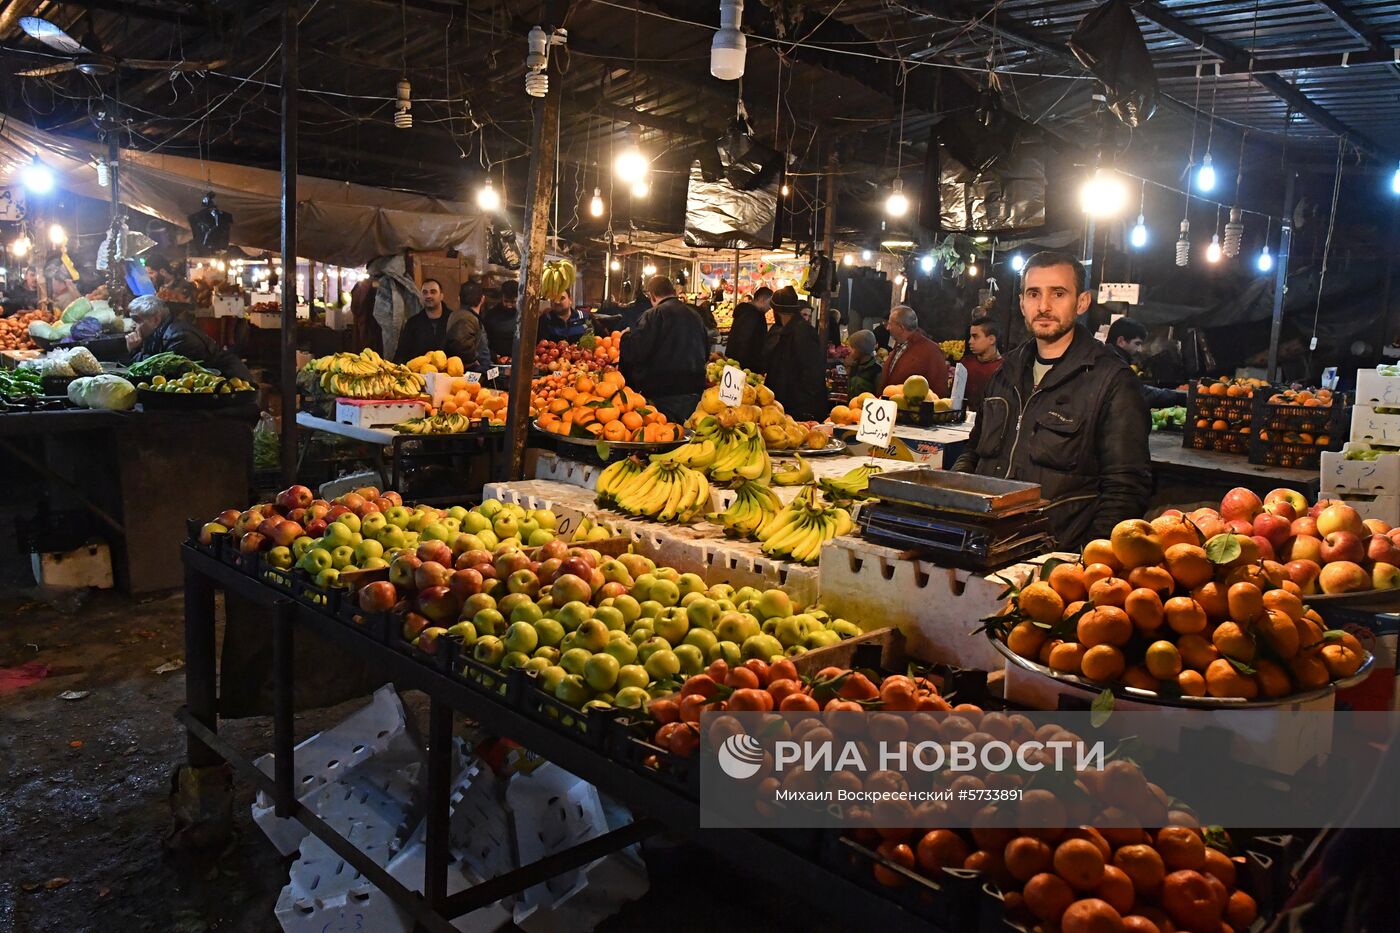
(959, 492)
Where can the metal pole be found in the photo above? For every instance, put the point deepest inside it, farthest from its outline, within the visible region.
(1285, 239)
(543, 142)
(114, 248)
(828, 238)
(289, 243)
(284, 707)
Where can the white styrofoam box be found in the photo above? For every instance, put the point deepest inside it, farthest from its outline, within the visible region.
(552, 467)
(937, 608)
(378, 729)
(229, 305)
(1379, 429)
(1375, 390)
(1340, 476)
(303, 311)
(1386, 508)
(338, 317)
(265, 320)
(87, 565)
(376, 413)
(1279, 741)
(408, 868)
(439, 386)
(743, 563)
(326, 893)
(339, 487)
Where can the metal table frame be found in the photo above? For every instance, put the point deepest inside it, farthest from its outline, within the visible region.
(656, 806)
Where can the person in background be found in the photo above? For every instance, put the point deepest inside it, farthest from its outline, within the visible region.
(883, 338)
(707, 317)
(21, 293)
(464, 327)
(426, 330)
(165, 277)
(564, 321)
(367, 333)
(501, 319)
(1064, 412)
(914, 354)
(981, 361)
(862, 367)
(158, 331)
(632, 314)
(833, 325)
(664, 356)
(1126, 339)
(795, 360)
(749, 330)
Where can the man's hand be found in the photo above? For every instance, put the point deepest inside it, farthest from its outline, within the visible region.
(133, 340)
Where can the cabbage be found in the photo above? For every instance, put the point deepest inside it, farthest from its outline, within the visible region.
(43, 330)
(105, 391)
(76, 311)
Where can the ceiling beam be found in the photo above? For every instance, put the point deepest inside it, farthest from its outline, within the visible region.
(1285, 91)
(1348, 19)
(1256, 66)
(14, 10)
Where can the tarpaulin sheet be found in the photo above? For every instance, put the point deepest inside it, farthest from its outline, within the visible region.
(732, 198)
(337, 222)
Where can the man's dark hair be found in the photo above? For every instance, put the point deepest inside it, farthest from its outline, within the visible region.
(510, 289)
(1126, 329)
(1048, 259)
(660, 287)
(159, 263)
(763, 291)
(433, 280)
(989, 327)
(470, 294)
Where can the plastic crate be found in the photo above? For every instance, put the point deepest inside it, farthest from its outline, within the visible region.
(951, 902)
(444, 657)
(632, 748)
(488, 680)
(1224, 442)
(1234, 410)
(1331, 419)
(1297, 456)
(592, 727)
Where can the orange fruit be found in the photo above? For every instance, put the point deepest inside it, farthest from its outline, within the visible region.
(939, 849)
(1232, 641)
(1100, 551)
(1241, 910)
(1190, 901)
(1066, 657)
(1047, 896)
(901, 855)
(1285, 602)
(632, 421)
(1091, 915)
(1094, 836)
(1047, 649)
(1117, 889)
(1222, 680)
(1221, 866)
(1106, 625)
(1189, 565)
(1152, 577)
(1279, 632)
(1143, 866)
(1212, 598)
(1184, 615)
(1102, 662)
(1093, 573)
(1026, 856)
(991, 865)
(1181, 848)
(1163, 660)
(1144, 608)
(1191, 683)
(606, 414)
(1137, 923)
(1245, 602)
(614, 431)
(1079, 862)
(1219, 425)
(1026, 639)
(1140, 678)
(1111, 592)
(1068, 581)
(1040, 603)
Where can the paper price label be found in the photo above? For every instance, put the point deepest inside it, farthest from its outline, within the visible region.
(473, 377)
(493, 372)
(876, 422)
(731, 385)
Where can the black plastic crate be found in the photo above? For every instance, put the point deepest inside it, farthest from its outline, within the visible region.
(305, 591)
(953, 902)
(926, 416)
(489, 680)
(444, 657)
(1319, 419)
(379, 626)
(633, 749)
(1289, 455)
(592, 727)
(1225, 442)
(1235, 410)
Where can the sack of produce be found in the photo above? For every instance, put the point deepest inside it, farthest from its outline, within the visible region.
(108, 392)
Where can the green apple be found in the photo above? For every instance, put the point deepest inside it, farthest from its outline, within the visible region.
(522, 637)
(640, 633)
(821, 638)
(763, 647)
(729, 652)
(668, 573)
(672, 625)
(791, 630)
(573, 690)
(316, 560)
(650, 609)
(349, 519)
(551, 655)
(328, 578)
(651, 646)
(477, 602)
(593, 635)
(342, 557)
(744, 594)
(615, 571)
(550, 632)
(457, 512)
(574, 660)
(524, 527)
(630, 608)
(631, 697)
(736, 626)
(796, 651)
(464, 633)
(722, 591)
(641, 586)
(393, 537)
(690, 583)
(280, 557)
(843, 628)
(702, 638)
(622, 649)
(545, 518)
(506, 526)
(632, 675)
(573, 614)
(551, 677)
(436, 531)
(537, 664)
(474, 523)
(662, 664)
(539, 537)
(664, 592)
(703, 613)
(489, 649)
(489, 622)
(398, 516)
(600, 671)
(338, 533)
(526, 612)
(691, 658)
(489, 507)
(368, 548)
(301, 545)
(689, 598)
(452, 525)
(489, 541)
(774, 603)
(610, 616)
(513, 660)
(374, 563)
(373, 524)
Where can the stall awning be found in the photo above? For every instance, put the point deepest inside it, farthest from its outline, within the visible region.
(337, 222)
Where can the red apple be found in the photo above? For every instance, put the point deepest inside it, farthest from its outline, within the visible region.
(1292, 497)
(413, 624)
(1240, 503)
(1394, 535)
(402, 570)
(1382, 550)
(318, 509)
(351, 501)
(1340, 518)
(439, 604)
(379, 596)
(464, 583)
(393, 497)
(435, 551)
(1316, 509)
(1342, 546)
(1344, 576)
(297, 515)
(430, 574)
(1173, 513)
(1305, 525)
(1304, 573)
(316, 527)
(336, 511)
(295, 497)
(251, 543)
(1376, 527)
(583, 553)
(511, 562)
(365, 508)
(269, 525)
(384, 504)
(1240, 526)
(610, 590)
(596, 579)
(472, 558)
(1266, 547)
(555, 549)
(548, 571)
(285, 533)
(578, 567)
(367, 492)
(247, 521)
(1275, 529)
(228, 518)
(1302, 547)
(487, 571)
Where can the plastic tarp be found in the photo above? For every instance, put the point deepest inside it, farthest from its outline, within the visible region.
(732, 198)
(337, 222)
(987, 179)
(1109, 43)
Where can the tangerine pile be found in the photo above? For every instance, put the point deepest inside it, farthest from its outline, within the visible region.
(475, 401)
(601, 407)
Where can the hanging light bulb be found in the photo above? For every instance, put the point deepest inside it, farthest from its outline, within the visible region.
(1234, 234)
(104, 173)
(1265, 262)
(57, 235)
(786, 190)
(1205, 175)
(631, 165)
(487, 199)
(899, 278)
(37, 177)
(1018, 262)
(1139, 235)
(972, 270)
(403, 109)
(1103, 195)
(595, 206)
(1183, 245)
(615, 265)
(865, 255)
(897, 205)
(926, 264)
(649, 269)
(641, 188)
(21, 246)
(849, 259)
(1213, 251)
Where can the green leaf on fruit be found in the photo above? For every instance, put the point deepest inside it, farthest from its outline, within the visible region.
(1242, 667)
(1333, 634)
(1101, 708)
(1049, 566)
(603, 450)
(1217, 838)
(1223, 548)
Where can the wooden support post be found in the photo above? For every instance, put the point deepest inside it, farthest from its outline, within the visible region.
(544, 141)
(289, 244)
(828, 238)
(1285, 243)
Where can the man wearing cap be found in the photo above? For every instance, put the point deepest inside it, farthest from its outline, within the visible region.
(664, 356)
(794, 360)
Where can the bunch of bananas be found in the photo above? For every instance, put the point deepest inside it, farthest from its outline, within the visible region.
(799, 475)
(614, 478)
(725, 454)
(852, 485)
(364, 375)
(664, 491)
(557, 278)
(441, 423)
(753, 505)
(798, 531)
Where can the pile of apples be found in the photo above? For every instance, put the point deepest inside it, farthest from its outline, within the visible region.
(562, 356)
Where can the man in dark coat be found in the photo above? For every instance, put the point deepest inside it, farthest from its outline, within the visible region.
(664, 356)
(795, 360)
(500, 319)
(749, 331)
(159, 331)
(1065, 412)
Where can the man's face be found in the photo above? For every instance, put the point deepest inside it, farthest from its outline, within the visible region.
(31, 279)
(146, 323)
(1132, 347)
(897, 330)
(431, 294)
(980, 342)
(1051, 302)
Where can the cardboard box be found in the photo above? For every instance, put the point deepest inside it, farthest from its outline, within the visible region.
(1340, 477)
(376, 413)
(1378, 429)
(88, 565)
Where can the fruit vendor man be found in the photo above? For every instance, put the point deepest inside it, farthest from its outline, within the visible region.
(664, 356)
(563, 321)
(914, 354)
(159, 331)
(794, 359)
(1065, 412)
(1126, 338)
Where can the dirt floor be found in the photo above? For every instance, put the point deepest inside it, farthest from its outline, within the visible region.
(86, 755)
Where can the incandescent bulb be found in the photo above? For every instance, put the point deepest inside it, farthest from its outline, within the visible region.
(649, 270)
(926, 264)
(865, 255)
(1103, 195)
(786, 190)
(899, 278)
(1018, 262)
(641, 188)
(849, 259)
(1139, 235)
(57, 235)
(972, 270)
(614, 265)
(595, 206)
(20, 247)
(631, 166)
(1205, 176)
(487, 199)
(37, 177)
(897, 205)
(1265, 262)
(1213, 250)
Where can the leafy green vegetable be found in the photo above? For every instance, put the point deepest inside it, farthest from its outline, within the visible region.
(165, 364)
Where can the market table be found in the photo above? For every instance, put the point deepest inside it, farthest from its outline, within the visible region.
(1184, 475)
(923, 444)
(784, 858)
(139, 474)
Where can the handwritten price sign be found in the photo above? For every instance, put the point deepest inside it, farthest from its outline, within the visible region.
(731, 385)
(876, 422)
